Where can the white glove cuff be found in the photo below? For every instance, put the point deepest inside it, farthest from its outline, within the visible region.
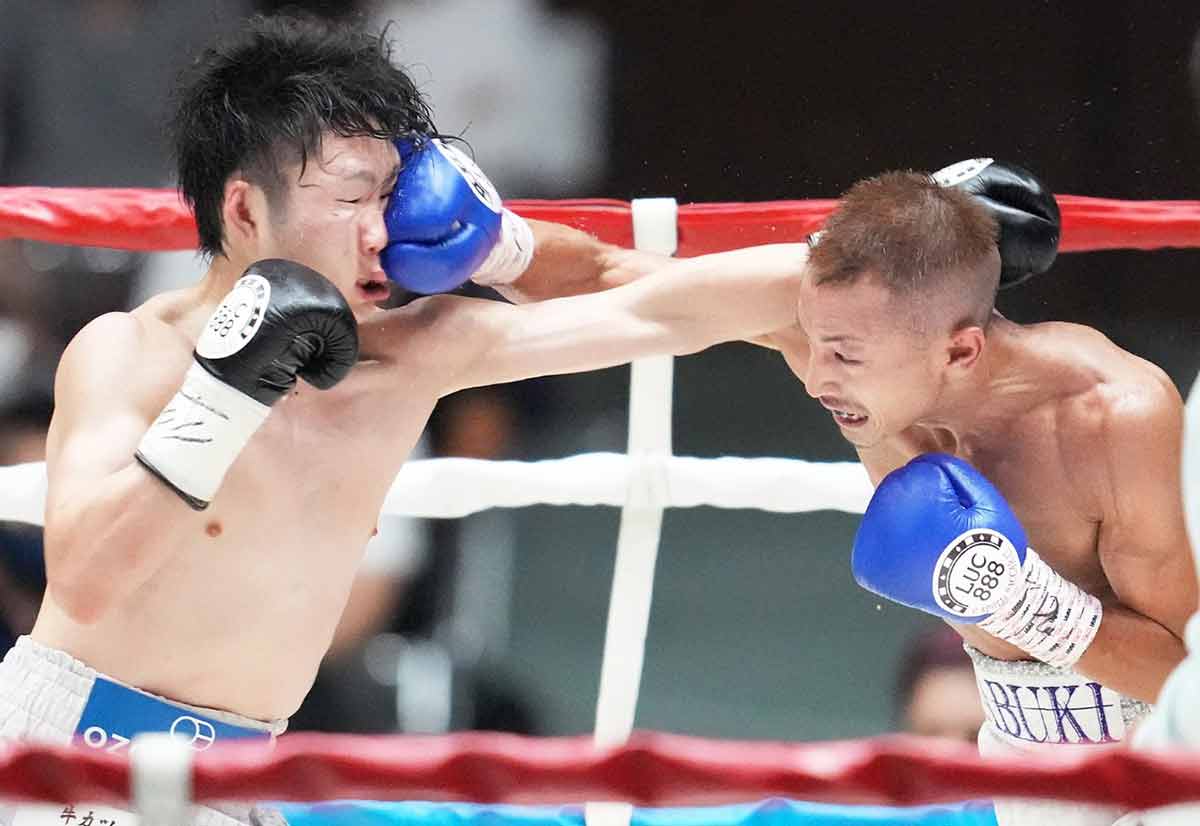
(957, 173)
(511, 255)
(199, 434)
(1051, 619)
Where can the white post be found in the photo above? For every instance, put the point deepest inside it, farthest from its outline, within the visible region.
(160, 779)
(655, 229)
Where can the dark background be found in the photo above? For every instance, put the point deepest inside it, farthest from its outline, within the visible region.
(753, 102)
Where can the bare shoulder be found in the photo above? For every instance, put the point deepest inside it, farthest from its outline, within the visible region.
(1116, 389)
(1120, 424)
(107, 344)
(132, 358)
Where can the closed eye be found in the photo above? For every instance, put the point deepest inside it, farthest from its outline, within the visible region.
(846, 359)
(383, 196)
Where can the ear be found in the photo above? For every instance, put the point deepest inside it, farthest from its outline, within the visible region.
(964, 348)
(244, 213)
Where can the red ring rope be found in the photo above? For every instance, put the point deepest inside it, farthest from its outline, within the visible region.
(155, 219)
(653, 769)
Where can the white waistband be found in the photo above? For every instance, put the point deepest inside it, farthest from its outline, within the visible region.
(43, 692)
(1031, 704)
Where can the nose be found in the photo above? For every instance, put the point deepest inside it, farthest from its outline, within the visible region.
(818, 377)
(374, 235)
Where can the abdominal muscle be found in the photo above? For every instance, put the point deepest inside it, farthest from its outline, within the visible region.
(239, 616)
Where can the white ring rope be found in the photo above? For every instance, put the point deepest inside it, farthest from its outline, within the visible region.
(452, 488)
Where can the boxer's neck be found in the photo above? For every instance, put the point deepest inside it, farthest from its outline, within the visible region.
(982, 406)
(222, 274)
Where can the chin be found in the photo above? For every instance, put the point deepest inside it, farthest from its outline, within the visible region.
(863, 439)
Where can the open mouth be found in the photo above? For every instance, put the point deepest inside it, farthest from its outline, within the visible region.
(847, 419)
(373, 289)
(843, 417)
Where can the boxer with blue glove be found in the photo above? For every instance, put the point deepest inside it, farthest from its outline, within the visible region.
(446, 223)
(896, 333)
(939, 537)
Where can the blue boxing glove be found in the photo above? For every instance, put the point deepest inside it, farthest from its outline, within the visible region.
(446, 223)
(939, 537)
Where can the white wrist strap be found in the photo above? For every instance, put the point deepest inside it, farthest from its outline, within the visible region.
(511, 255)
(1051, 619)
(199, 434)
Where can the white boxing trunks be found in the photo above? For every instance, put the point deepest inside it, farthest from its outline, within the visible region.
(48, 696)
(1031, 706)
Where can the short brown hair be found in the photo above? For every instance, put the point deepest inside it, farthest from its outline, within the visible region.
(917, 237)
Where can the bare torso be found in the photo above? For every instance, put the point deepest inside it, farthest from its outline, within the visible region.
(1045, 453)
(242, 611)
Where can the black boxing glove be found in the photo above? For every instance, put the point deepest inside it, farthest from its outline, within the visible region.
(280, 321)
(1025, 209)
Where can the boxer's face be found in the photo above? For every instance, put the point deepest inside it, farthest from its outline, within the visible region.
(869, 364)
(331, 218)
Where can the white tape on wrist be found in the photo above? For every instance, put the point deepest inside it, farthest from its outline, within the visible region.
(1051, 619)
(511, 255)
(199, 434)
(956, 173)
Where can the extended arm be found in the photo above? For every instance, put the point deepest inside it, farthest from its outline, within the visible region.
(568, 261)
(686, 306)
(446, 223)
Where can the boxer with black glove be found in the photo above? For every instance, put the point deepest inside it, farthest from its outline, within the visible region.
(281, 321)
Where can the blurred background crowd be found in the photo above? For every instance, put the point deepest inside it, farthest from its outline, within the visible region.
(496, 621)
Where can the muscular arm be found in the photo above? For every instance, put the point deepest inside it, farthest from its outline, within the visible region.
(567, 261)
(1143, 546)
(688, 305)
(109, 523)
(570, 262)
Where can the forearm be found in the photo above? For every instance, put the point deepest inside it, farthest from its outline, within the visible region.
(1131, 653)
(107, 542)
(567, 261)
(693, 303)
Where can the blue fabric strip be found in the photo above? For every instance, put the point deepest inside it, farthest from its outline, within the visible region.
(773, 812)
(115, 714)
